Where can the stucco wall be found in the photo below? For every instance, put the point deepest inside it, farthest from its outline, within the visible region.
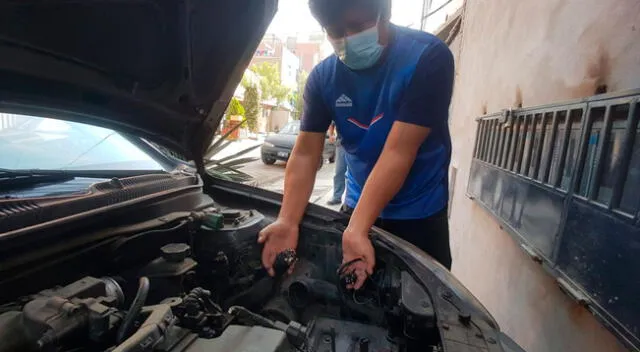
(531, 52)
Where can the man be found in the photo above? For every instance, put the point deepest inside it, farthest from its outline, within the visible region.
(341, 167)
(388, 91)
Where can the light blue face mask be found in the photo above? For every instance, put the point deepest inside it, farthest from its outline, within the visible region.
(359, 51)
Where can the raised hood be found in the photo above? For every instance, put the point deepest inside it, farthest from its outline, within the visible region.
(159, 69)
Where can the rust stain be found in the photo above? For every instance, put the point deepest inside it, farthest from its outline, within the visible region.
(484, 108)
(596, 77)
(518, 102)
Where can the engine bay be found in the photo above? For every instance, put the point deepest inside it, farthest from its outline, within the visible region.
(197, 284)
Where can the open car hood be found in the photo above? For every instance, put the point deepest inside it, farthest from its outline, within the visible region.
(163, 70)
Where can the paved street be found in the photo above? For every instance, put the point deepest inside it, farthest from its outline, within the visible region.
(271, 177)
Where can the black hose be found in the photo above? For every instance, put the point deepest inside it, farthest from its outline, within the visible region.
(253, 317)
(134, 310)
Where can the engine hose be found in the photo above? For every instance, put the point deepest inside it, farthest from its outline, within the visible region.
(255, 318)
(134, 310)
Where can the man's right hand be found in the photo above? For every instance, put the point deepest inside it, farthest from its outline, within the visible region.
(277, 237)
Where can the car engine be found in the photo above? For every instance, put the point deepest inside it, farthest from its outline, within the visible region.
(206, 290)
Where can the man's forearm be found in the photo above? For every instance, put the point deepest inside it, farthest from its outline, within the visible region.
(385, 180)
(299, 178)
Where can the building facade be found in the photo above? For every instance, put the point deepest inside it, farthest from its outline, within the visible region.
(549, 295)
(273, 49)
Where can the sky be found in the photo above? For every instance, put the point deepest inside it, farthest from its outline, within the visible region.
(294, 17)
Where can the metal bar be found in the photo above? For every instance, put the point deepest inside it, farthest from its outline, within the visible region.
(477, 142)
(507, 142)
(496, 149)
(602, 148)
(547, 166)
(514, 144)
(485, 141)
(627, 149)
(563, 150)
(503, 136)
(494, 146)
(480, 139)
(584, 146)
(521, 145)
(571, 104)
(492, 142)
(529, 148)
(540, 147)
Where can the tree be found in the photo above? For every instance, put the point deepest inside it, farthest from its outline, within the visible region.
(235, 108)
(298, 96)
(270, 84)
(252, 104)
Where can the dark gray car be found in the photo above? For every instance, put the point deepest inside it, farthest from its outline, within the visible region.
(279, 146)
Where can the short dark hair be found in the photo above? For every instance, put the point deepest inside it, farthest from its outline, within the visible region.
(327, 11)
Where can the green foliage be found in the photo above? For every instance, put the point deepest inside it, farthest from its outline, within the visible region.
(228, 168)
(252, 103)
(270, 84)
(235, 108)
(298, 101)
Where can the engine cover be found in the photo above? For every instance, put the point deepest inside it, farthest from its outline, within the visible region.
(237, 338)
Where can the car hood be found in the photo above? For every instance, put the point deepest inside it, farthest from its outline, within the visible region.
(162, 70)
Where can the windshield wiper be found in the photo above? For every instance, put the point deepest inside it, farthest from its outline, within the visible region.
(23, 180)
(29, 177)
(4, 173)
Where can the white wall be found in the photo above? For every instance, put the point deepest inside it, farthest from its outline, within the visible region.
(289, 67)
(531, 52)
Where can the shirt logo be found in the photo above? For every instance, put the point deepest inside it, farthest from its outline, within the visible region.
(344, 102)
(362, 125)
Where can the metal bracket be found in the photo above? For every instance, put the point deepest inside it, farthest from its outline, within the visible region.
(505, 115)
(576, 295)
(531, 253)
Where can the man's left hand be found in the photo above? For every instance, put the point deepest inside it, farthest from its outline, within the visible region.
(357, 247)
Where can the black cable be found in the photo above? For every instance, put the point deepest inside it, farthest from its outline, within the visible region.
(344, 266)
(255, 318)
(134, 310)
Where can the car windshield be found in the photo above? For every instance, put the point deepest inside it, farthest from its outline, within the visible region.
(290, 128)
(30, 142)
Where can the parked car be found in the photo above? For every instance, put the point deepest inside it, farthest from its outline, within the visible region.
(97, 254)
(278, 146)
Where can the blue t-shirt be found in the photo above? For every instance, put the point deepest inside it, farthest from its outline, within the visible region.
(412, 83)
